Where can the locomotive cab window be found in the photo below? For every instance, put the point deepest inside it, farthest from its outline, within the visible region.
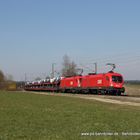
(117, 79)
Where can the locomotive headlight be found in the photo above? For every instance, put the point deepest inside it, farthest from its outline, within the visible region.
(111, 85)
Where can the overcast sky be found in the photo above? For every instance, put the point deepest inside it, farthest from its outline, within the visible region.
(36, 33)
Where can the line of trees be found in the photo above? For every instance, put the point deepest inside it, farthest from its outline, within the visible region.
(2, 80)
(2, 77)
(6, 82)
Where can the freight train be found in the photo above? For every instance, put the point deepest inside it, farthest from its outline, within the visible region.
(93, 83)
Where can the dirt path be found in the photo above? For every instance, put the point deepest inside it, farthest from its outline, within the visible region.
(114, 101)
(122, 100)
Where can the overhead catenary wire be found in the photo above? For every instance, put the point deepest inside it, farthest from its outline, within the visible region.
(123, 60)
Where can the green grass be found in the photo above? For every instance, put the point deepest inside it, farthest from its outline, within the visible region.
(26, 116)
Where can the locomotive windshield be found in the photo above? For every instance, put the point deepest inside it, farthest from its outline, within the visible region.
(117, 79)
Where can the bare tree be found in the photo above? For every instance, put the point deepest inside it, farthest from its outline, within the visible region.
(37, 79)
(69, 67)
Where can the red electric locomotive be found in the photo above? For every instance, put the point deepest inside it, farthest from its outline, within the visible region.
(106, 83)
(71, 84)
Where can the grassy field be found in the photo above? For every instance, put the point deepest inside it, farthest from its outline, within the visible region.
(26, 116)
